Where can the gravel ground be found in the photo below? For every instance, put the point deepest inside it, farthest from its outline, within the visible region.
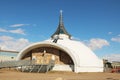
(6, 74)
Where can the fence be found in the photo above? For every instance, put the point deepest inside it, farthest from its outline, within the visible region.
(28, 65)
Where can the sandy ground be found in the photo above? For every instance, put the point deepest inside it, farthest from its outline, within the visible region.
(6, 74)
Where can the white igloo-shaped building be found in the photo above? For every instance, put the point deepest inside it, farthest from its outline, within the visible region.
(69, 55)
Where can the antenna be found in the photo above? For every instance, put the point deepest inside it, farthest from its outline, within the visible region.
(61, 12)
(61, 18)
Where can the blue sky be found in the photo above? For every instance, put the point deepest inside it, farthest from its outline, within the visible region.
(90, 21)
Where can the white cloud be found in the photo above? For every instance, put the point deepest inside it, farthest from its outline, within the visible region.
(97, 43)
(5, 38)
(94, 43)
(112, 57)
(109, 32)
(18, 25)
(3, 30)
(18, 31)
(10, 43)
(116, 39)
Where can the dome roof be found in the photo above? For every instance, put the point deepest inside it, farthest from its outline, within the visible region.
(81, 55)
(84, 58)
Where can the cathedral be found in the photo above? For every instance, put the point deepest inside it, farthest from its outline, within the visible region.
(68, 54)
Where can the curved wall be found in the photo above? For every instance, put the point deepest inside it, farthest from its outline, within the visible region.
(83, 58)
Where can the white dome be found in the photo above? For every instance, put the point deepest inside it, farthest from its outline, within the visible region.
(84, 59)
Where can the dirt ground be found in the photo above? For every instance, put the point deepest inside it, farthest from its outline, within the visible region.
(6, 74)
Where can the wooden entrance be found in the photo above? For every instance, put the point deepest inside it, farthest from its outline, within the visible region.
(43, 55)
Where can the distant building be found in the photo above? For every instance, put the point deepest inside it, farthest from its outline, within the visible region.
(107, 66)
(115, 66)
(7, 56)
(68, 54)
